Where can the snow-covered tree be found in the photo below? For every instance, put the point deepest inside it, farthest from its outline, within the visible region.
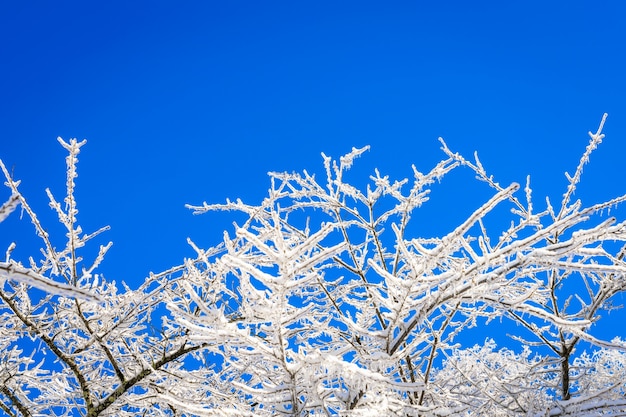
(325, 301)
(83, 347)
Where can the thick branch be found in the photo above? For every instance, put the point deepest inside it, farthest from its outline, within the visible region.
(129, 383)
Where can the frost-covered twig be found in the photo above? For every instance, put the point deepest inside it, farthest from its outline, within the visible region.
(15, 272)
(8, 207)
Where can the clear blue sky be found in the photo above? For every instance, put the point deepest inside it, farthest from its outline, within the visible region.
(183, 102)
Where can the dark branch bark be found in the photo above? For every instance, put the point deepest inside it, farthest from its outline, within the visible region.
(84, 387)
(129, 383)
(16, 402)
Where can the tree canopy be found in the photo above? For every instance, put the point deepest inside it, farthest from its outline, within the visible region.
(325, 301)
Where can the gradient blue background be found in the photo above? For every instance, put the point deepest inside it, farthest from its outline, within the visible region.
(183, 102)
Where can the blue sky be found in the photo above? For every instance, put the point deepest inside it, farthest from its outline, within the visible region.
(184, 102)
